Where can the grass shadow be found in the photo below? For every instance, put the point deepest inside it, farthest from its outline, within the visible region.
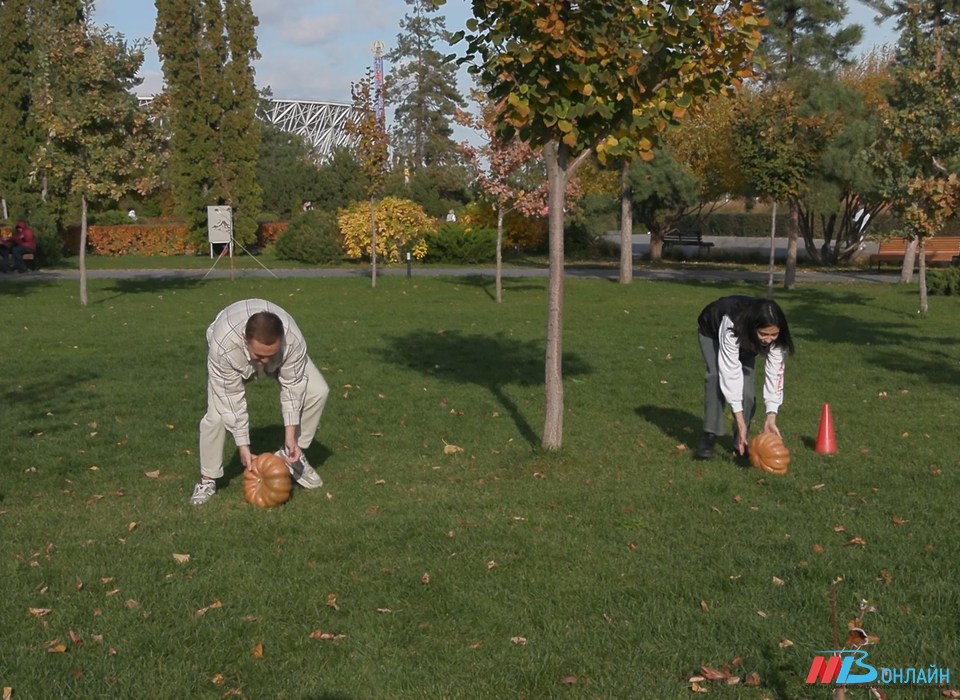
(681, 426)
(487, 283)
(52, 394)
(491, 362)
(14, 284)
(147, 285)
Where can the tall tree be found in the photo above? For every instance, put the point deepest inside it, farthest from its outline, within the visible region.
(98, 141)
(610, 76)
(423, 89)
(804, 43)
(206, 48)
(919, 146)
(371, 151)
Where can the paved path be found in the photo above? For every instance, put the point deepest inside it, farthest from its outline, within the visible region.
(692, 270)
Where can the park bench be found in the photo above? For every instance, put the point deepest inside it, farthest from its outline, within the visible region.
(688, 237)
(938, 249)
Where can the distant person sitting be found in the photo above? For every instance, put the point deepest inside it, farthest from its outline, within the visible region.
(451, 217)
(15, 247)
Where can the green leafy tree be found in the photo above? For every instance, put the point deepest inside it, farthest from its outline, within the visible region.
(286, 172)
(804, 43)
(206, 48)
(608, 76)
(918, 150)
(99, 142)
(423, 90)
(662, 191)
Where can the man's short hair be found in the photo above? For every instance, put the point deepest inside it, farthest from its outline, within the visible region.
(264, 327)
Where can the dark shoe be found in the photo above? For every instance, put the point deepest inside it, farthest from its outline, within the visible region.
(705, 448)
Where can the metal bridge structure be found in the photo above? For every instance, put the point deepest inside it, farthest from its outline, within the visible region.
(323, 125)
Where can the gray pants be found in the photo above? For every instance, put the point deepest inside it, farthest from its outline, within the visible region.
(213, 434)
(713, 401)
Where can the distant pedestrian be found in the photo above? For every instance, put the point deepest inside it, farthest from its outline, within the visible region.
(451, 217)
(732, 331)
(16, 246)
(248, 340)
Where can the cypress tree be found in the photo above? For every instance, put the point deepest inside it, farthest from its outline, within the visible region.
(206, 47)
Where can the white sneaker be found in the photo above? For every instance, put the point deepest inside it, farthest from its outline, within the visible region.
(203, 492)
(301, 471)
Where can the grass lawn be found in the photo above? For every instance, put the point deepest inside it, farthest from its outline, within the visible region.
(614, 568)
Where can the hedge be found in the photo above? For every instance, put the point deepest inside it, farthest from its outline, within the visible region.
(151, 238)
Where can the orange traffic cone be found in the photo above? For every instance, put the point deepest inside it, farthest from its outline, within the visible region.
(826, 444)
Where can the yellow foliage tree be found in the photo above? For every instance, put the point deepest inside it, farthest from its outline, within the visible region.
(401, 225)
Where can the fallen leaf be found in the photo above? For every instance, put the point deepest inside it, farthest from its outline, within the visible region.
(569, 680)
(900, 521)
(39, 612)
(258, 650)
(132, 604)
(155, 474)
(384, 610)
(519, 641)
(218, 679)
(75, 639)
(885, 576)
(332, 601)
(779, 581)
(7, 693)
(425, 579)
(784, 643)
(761, 613)
(818, 549)
(839, 528)
(55, 646)
(712, 674)
(449, 449)
(203, 611)
(131, 526)
(697, 688)
(704, 606)
(326, 636)
(181, 558)
(491, 565)
(856, 541)
(752, 679)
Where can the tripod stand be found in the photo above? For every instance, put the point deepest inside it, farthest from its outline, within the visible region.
(228, 250)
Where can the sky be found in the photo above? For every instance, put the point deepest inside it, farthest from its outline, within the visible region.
(314, 49)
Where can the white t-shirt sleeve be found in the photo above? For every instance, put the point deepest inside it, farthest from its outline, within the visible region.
(728, 364)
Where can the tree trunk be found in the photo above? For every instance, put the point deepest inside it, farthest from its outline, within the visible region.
(626, 226)
(499, 279)
(773, 248)
(83, 251)
(373, 243)
(552, 437)
(909, 260)
(921, 251)
(790, 268)
(656, 245)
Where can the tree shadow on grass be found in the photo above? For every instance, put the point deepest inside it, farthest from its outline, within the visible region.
(147, 285)
(488, 361)
(11, 286)
(53, 398)
(488, 284)
(681, 426)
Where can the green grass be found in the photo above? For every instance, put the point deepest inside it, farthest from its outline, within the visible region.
(622, 562)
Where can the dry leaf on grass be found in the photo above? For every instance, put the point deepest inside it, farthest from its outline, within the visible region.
(326, 636)
(332, 601)
(425, 579)
(55, 646)
(449, 449)
(155, 474)
(181, 558)
(39, 612)
(856, 542)
(519, 641)
(569, 680)
(258, 650)
(203, 611)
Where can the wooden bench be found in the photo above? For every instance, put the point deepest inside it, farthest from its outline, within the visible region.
(938, 249)
(686, 237)
(29, 260)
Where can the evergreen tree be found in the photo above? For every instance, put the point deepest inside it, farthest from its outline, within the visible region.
(206, 47)
(807, 34)
(422, 85)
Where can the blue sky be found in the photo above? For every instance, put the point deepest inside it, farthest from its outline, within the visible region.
(314, 49)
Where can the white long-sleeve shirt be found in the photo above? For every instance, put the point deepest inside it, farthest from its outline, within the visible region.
(229, 366)
(731, 371)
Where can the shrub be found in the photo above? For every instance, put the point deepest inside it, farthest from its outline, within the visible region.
(269, 232)
(401, 226)
(313, 238)
(943, 281)
(455, 243)
(142, 239)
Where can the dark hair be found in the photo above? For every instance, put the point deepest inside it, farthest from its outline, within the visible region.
(264, 327)
(758, 314)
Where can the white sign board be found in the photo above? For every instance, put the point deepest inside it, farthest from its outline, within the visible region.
(220, 227)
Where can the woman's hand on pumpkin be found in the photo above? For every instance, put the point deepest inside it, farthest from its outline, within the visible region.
(246, 457)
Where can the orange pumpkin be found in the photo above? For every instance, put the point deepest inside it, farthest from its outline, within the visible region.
(267, 482)
(768, 453)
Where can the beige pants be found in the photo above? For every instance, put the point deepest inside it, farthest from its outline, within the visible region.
(213, 434)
